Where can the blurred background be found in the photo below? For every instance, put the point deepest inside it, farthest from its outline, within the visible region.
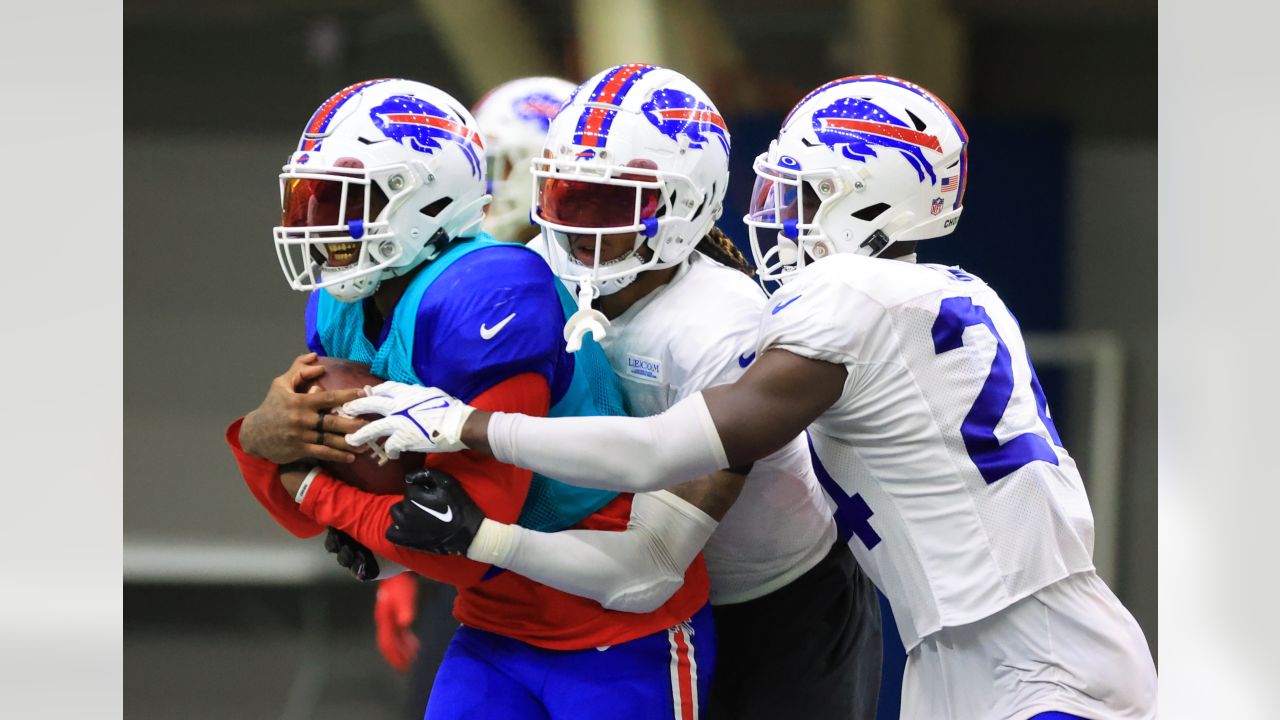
(227, 615)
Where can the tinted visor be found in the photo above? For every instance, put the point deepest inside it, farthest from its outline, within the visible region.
(585, 204)
(312, 202)
(777, 199)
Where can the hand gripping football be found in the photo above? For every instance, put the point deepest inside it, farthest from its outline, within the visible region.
(366, 473)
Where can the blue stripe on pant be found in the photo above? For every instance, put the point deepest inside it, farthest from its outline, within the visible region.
(489, 676)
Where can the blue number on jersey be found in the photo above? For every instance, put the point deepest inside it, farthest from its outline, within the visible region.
(994, 460)
(853, 514)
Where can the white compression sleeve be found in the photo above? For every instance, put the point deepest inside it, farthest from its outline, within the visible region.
(613, 453)
(636, 570)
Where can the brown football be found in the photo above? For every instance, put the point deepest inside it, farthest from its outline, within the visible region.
(365, 473)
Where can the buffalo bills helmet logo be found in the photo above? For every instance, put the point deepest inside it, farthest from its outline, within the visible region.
(677, 113)
(421, 126)
(538, 107)
(859, 125)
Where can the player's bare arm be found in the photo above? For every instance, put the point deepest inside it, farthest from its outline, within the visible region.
(775, 400)
(713, 494)
(291, 478)
(290, 425)
(754, 417)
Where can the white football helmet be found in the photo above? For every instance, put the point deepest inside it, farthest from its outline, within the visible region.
(386, 173)
(860, 163)
(638, 151)
(514, 118)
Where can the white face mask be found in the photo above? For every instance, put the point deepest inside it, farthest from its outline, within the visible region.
(606, 276)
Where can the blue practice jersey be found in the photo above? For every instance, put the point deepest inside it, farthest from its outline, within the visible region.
(481, 313)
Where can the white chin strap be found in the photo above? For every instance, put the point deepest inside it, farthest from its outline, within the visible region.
(357, 288)
(787, 249)
(613, 285)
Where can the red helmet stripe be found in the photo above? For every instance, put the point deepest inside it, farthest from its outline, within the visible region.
(897, 132)
(320, 120)
(437, 122)
(694, 116)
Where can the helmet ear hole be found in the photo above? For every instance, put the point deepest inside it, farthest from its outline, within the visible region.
(437, 207)
(871, 212)
(702, 204)
(662, 207)
(915, 120)
(377, 201)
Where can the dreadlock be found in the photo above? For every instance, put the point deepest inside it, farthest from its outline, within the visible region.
(717, 246)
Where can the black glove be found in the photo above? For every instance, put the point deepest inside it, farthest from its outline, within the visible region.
(353, 556)
(436, 515)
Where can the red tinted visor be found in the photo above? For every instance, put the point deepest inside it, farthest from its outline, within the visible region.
(585, 204)
(311, 202)
(778, 199)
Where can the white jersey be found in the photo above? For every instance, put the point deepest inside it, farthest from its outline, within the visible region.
(695, 332)
(940, 455)
(1069, 647)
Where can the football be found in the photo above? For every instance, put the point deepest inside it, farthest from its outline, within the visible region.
(365, 473)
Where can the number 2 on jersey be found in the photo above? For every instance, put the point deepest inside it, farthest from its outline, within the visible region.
(994, 459)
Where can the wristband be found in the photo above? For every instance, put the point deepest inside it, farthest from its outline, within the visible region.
(306, 483)
(492, 543)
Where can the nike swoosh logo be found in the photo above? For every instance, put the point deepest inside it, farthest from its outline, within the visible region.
(745, 360)
(488, 332)
(778, 308)
(445, 516)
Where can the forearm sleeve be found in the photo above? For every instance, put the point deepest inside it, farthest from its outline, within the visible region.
(636, 570)
(613, 453)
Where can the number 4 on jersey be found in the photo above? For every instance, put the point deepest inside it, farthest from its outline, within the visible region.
(994, 459)
(852, 513)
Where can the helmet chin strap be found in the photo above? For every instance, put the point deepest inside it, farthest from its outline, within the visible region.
(355, 289)
(632, 262)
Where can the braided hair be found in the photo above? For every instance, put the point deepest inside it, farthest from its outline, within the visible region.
(717, 246)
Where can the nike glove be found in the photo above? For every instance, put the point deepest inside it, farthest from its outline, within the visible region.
(356, 558)
(416, 419)
(436, 515)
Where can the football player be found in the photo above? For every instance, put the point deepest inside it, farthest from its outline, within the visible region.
(926, 423)
(629, 185)
(381, 208)
(513, 119)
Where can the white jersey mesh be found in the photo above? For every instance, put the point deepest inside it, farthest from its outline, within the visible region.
(698, 331)
(953, 546)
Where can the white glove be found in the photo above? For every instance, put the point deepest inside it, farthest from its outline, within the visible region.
(417, 419)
